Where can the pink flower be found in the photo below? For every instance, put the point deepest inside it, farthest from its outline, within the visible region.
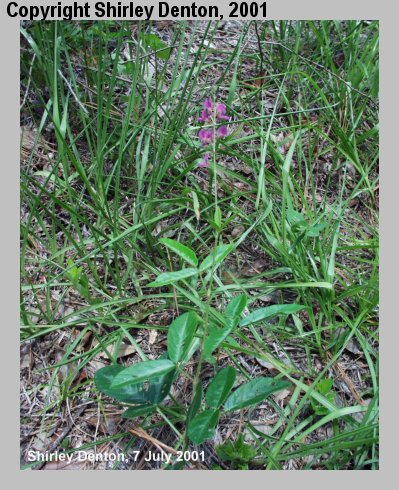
(222, 131)
(221, 112)
(205, 116)
(206, 113)
(204, 162)
(206, 136)
(208, 104)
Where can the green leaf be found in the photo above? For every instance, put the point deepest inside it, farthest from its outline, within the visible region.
(159, 388)
(295, 219)
(196, 402)
(180, 335)
(290, 153)
(215, 337)
(142, 371)
(195, 344)
(171, 277)
(220, 387)
(239, 453)
(133, 412)
(153, 392)
(153, 42)
(234, 309)
(253, 392)
(269, 312)
(202, 427)
(73, 273)
(232, 316)
(216, 257)
(218, 217)
(324, 386)
(126, 394)
(181, 250)
(315, 230)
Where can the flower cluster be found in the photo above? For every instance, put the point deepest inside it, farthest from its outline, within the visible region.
(211, 114)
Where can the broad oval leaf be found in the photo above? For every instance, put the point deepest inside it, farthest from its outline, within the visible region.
(269, 312)
(216, 257)
(181, 250)
(220, 387)
(253, 392)
(171, 277)
(180, 336)
(142, 371)
(202, 427)
(215, 338)
(126, 394)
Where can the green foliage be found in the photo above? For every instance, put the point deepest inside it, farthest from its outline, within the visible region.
(180, 336)
(239, 453)
(232, 316)
(130, 393)
(144, 383)
(195, 403)
(269, 312)
(220, 387)
(216, 257)
(143, 371)
(79, 279)
(202, 426)
(139, 411)
(148, 383)
(324, 387)
(171, 277)
(253, 392)
(161, 49)
(181, 250)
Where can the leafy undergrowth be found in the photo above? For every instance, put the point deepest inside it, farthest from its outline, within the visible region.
(199, 244)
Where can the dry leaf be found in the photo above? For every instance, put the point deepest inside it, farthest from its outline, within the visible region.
(265, 364)
(237, 231)
(152, 337)
(106, 425)
(280, 396)
(124, 350)
(25, 359)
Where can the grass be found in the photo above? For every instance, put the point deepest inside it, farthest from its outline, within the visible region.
(111, 168)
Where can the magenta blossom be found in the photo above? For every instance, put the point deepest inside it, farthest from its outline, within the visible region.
(205, 116)
(221, 112)
(208, 104)
(206, 113)
(206, 136)
(211, 115)
(222, 132)
(204, 162)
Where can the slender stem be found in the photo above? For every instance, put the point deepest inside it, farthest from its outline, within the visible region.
(214, 158)
(196, 380)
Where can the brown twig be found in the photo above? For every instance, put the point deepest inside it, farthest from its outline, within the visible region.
(139, 432)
